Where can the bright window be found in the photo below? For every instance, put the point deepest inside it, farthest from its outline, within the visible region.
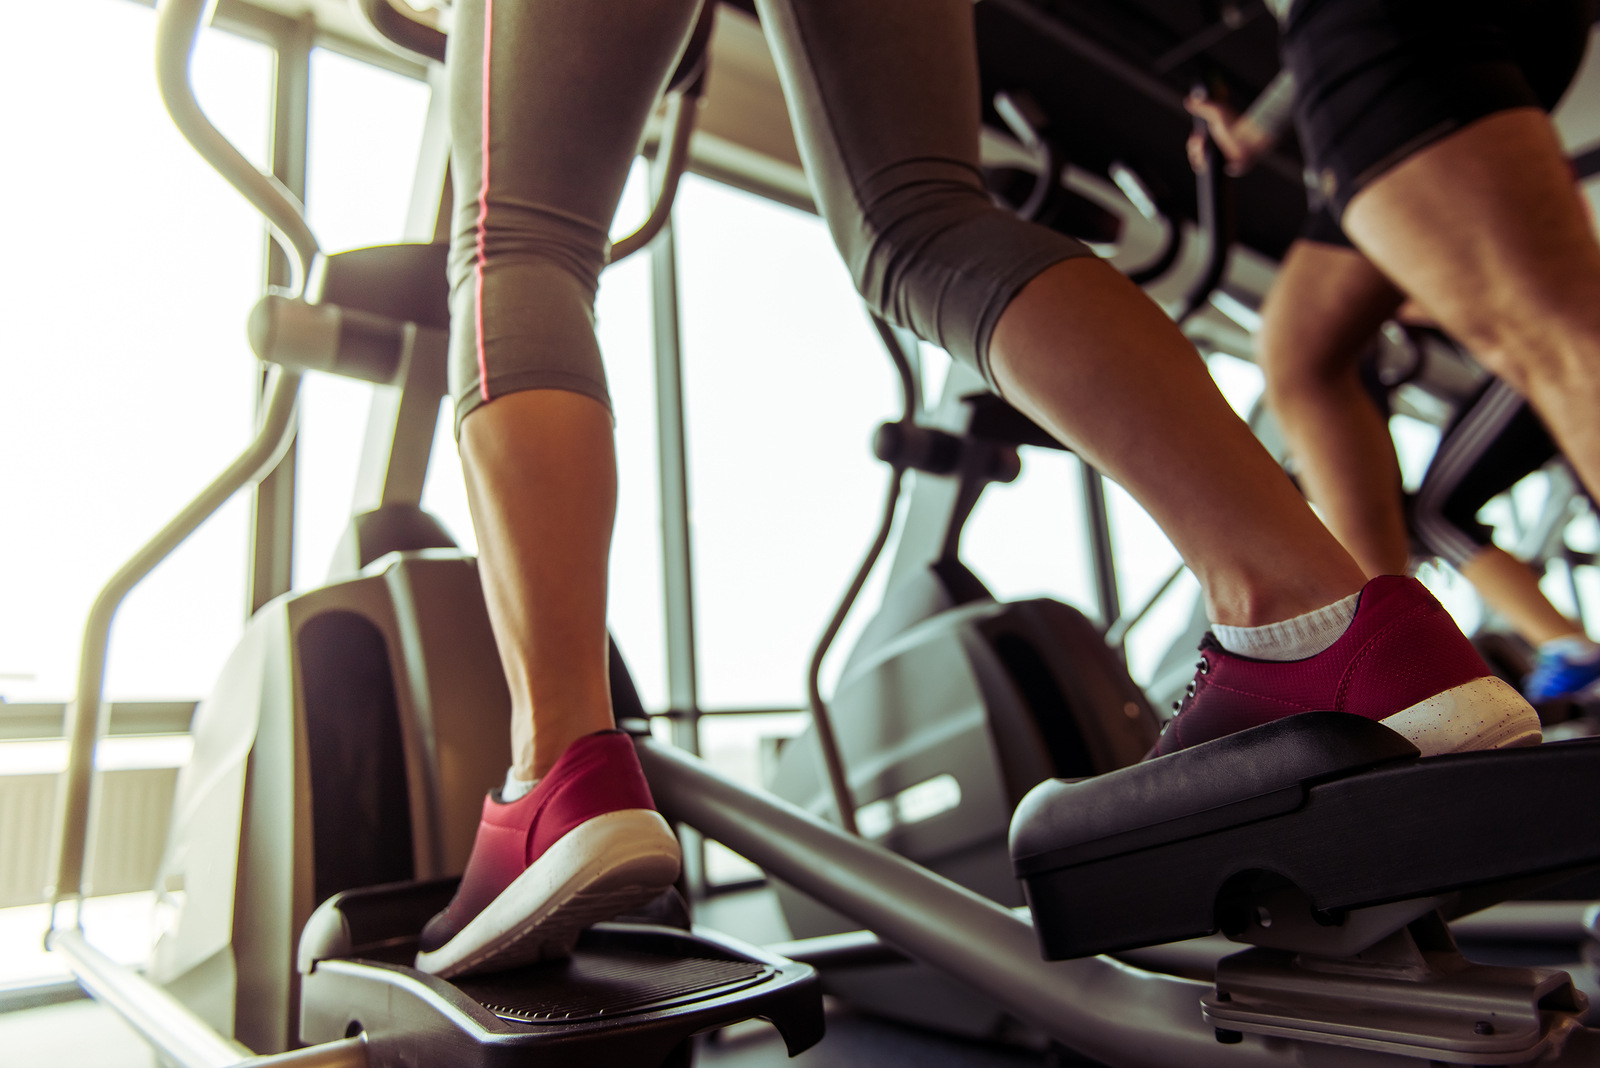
(126, 384)
(364, 134)
(784, 382)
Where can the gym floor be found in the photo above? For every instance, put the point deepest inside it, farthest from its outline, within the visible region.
(88, 1035)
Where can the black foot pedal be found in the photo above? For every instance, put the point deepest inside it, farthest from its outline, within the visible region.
(629, 994)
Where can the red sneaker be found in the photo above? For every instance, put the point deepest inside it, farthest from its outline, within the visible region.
(584, 845)
(1403, 662)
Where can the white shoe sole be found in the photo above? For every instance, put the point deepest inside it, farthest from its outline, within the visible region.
(1485, 713)
(600, 869)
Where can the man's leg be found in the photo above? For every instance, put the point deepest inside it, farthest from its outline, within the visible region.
(1318, 319)
(1510, 587)
(1486, 228)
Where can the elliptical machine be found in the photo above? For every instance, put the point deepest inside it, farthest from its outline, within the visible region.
(1156, 851)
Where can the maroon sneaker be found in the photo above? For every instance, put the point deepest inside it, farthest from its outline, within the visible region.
(584, 845)
(1403, 662)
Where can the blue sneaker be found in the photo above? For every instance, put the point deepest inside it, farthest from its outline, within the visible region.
(1566, 668)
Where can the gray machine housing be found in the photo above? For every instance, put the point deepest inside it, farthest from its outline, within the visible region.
(349, 741)
(950, 708)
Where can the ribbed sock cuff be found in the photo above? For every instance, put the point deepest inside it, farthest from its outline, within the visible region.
(515, 788)
(1292, 639)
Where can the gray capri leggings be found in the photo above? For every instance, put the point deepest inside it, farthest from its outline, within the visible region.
(549, 100)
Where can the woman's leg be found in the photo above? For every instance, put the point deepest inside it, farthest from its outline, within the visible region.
(884, 98)
(548, 100)
(1084, 351)
(541, 483)
(1493, 444)
(547, 113)
(1324, 308)
(885, 101)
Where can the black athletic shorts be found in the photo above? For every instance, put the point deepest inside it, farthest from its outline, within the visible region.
(1378, 80)
(1320, 225)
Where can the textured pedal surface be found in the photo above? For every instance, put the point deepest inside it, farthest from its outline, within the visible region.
(630, 993)
(607, 982)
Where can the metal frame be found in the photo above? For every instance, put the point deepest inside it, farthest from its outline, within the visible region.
(683, 684)
(273, 507)
(1114, 1013)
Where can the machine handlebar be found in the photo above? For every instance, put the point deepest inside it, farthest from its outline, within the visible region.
(178, 25)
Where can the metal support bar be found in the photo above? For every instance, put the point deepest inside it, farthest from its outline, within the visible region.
(83, 725)
(1117, 632)
(161, 1019)
(1114, 1014)
(683, 108)
(677, 555)
(271, 567)
(1231, 21)
(670, 715)
(1102, 556)
(400, 424)
(683, 686)
(432, 192)
(181, 1037)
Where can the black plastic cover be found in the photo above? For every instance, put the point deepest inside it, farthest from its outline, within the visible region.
(405, 283)
(1244, 777)
(1479, 826)
(629, 994)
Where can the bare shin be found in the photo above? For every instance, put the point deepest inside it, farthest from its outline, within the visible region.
(1084, 352)
(541, 480)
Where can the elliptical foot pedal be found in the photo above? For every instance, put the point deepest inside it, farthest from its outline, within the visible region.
(631, 993)
(1335, 805)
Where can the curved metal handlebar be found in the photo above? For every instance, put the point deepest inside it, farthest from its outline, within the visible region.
(177, 29)
(1154, 207)
(682, 107)
(83, 715)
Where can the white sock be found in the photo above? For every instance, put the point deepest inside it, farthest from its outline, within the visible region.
(515, 788)
(1293, 639)
(1573, 648)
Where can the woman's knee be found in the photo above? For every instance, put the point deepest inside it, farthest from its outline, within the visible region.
(522, 312)
(938, 258)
